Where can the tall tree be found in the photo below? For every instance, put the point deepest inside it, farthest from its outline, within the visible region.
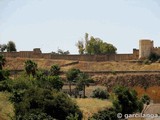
(72, 76)
(30, 67)
(82, 82)
(127, 101)
(2, 61)
(11, 47)
(61, 52)
(80, 47)
(55, 70)
(3, 47)
(95, 46)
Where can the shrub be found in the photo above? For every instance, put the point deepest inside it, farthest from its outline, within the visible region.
(127, 101)
(107, 114)
(37, 115)
(72, 117)
(100, 93)
(147, 62)
(154, 57)
(49, 82)
(6, 85)
(55, 70)
(52, 104)
(30, 67)
(145, 99)
(4, 74)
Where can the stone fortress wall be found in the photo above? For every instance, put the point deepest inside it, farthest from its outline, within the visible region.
(36, 53)
(145, 49)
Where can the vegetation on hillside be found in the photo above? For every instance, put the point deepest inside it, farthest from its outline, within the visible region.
(37, 94)
(125, 102)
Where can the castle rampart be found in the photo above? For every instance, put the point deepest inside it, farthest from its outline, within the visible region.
(145, 48)
(35, 54)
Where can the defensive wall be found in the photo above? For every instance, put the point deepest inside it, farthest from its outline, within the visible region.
(146, 47)
(36, 53)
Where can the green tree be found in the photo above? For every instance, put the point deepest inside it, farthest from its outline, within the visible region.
(11, 47)
(55, 70)
(145, 99)
(95, 46)
(107, 114)
(45, 103)
(82, 82)
(127, 101)
(4, 75)
(2, 61)
(30, 67)
(61, 52)
(80, 46)
(49, 82)
(72, 76)
(3, 47)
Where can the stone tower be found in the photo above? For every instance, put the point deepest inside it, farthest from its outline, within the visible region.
(145, 48)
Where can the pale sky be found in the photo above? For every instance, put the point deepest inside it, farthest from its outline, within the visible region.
(53, 24)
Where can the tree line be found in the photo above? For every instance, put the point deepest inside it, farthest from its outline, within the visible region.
(9, 47)
(94, 46)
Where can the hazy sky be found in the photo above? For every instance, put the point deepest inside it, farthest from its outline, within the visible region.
(53, 24)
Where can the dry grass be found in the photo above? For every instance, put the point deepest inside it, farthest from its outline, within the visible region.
(153, 92)
(18, 63)
(6, 108)
(113, 66)
(91, 105)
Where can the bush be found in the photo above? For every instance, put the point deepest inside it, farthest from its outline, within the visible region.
(52, 103)
(35, 116)
(147, 62)
(100, 93)
(6, 85)
(153, 57)
(145, 99)
(127, 101)
(4, 74)
(16, 84)
(107, 114)
(55, 70)
(49, 82)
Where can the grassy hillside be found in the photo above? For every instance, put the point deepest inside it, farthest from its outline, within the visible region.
(18, 63)
(132, 80)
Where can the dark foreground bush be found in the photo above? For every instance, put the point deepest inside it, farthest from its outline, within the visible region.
(107, 114)
(47, 103)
